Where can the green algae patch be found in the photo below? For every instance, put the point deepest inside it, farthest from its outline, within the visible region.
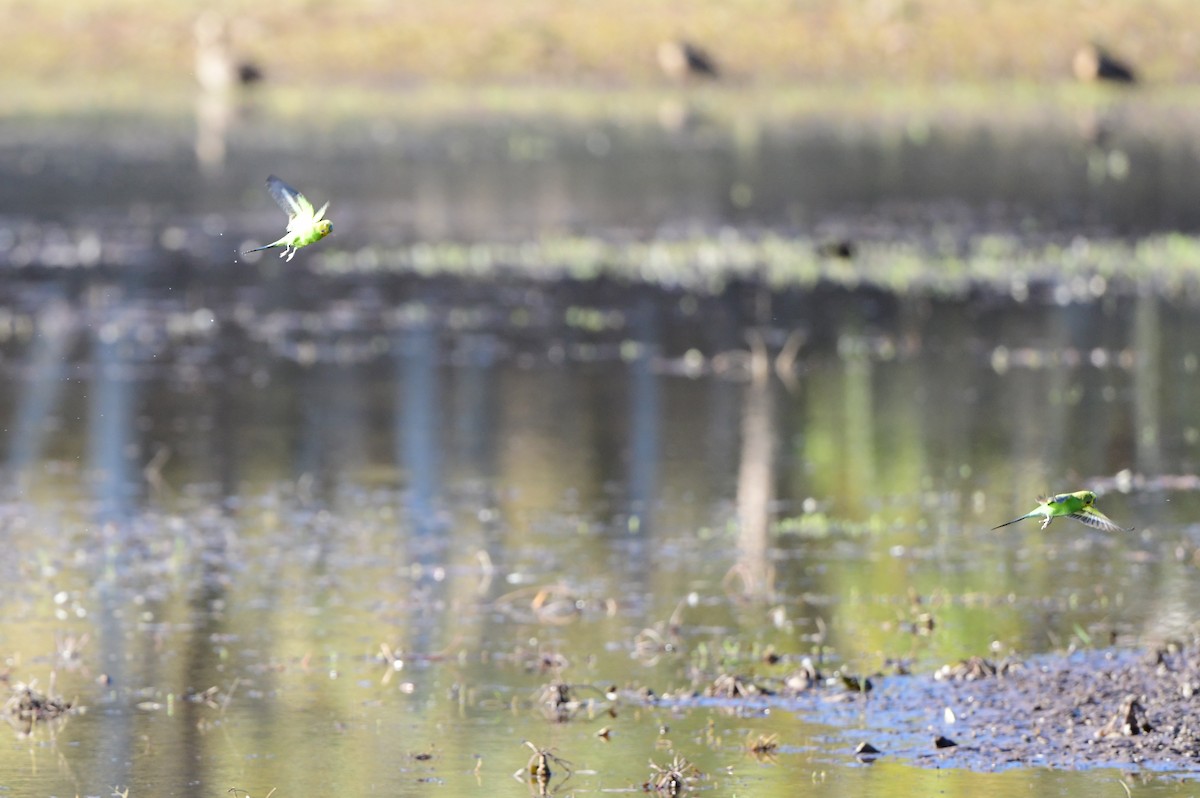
(1080, 269)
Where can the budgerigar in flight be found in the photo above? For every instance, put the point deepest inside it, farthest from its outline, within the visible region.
(304, 226)
(1080, 505)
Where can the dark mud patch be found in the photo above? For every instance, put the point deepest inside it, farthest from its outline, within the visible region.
(1110, 708)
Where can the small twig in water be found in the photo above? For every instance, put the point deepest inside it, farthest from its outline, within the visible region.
(229, 697)
(152, 471)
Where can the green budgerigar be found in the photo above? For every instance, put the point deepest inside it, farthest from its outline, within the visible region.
(1080, 505)
(304, 225)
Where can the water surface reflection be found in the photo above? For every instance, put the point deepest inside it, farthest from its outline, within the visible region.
(501, 496)
(347, 531)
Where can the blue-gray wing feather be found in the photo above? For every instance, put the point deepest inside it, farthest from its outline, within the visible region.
(289, 199)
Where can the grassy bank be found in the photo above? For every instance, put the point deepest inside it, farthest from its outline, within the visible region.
(325, 46)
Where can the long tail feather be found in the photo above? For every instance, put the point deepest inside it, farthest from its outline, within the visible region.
(259, 249)
(1015, 520)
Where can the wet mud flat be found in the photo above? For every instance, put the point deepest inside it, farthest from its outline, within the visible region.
(1107, 708)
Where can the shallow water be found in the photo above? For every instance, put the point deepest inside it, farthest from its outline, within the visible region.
(376, 516)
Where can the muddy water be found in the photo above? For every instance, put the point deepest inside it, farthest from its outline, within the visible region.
(276, 530)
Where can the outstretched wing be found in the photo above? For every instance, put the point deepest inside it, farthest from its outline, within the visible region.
(1097, 520)
(293, 203)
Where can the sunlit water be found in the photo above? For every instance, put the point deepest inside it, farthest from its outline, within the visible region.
(279, 530)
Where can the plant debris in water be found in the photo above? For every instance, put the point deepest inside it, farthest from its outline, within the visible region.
(673, 778)
(763, 746)
(968, 670)
(727, 685)
(539, 771)
(28, 705)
